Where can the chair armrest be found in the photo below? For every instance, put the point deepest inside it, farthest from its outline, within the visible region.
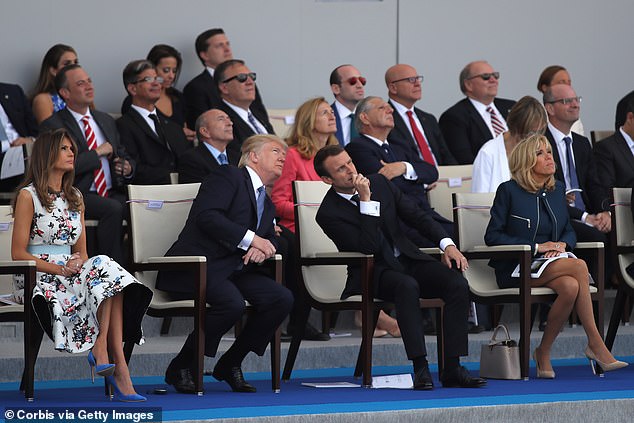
(15, 263)
(432, 251)
(176, 259)
(511, 251)
(587, 245)
(336, 258)
(495, 248)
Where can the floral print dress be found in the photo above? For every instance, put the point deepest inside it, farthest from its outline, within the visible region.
(67, 306)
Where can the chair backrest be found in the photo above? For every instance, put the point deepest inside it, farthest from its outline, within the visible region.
(281, 120)
(623, 229)
(596, 136)
(451, 179)
(157, 216)
(324, 283)
(472, 213)
(6, 232)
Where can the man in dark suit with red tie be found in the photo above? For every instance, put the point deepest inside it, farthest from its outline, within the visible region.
(154, 142)
(372, 153)
(231, 224)
(479, 117)
(17, 126)
(361, 215)
(201, 93)
(414, 129)
(101, 169)
(214, 131)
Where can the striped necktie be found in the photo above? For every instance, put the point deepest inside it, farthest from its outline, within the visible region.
(91, 139)
(496, 123)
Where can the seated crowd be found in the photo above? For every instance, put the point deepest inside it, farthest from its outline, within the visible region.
(381, 158)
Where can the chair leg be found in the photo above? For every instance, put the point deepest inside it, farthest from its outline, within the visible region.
(525, 339)
(32, 342)
(360, 367)
(165, 326)
(295, 342)
(440, 338)
(275, 360)
(617, 312)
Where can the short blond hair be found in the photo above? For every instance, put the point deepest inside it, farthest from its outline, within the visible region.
(522, 160)
(255, 143)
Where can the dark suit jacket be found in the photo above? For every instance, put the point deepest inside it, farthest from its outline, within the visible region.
(202, 94)
(178, 107)
(195, 164)
(464, 129)
(223, 211)
(18, 109)
(339, 133)
(402, 136)
(87, 161)
(586, 174)
(241, 129)
(367, 156)
(352, 231)
(156, 157)
(615, 164)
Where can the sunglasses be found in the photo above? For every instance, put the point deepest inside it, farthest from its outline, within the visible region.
(150, 79)
(486, 76)
(241, 77)
(354, 79)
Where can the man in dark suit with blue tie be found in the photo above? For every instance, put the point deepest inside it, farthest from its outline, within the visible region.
(231, 224)
(361, 215)
(17, 126)
(372, 153)
(347, 85)
(214, 131)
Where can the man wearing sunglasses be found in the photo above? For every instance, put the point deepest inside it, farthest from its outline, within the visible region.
(201, 93)
(479, 117)
(416, 131)
(347, 85)
(236, 84)
(153, 141)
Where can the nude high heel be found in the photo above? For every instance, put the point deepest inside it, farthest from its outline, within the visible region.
(542, 374)
(595, 364)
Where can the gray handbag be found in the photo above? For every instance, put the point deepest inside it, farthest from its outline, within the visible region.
(500, 358)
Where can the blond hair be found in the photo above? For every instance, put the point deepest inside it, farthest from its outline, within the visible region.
(302, 135)
(522, 160)
(254, 144)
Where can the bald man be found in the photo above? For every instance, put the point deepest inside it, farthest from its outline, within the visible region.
(414, 130)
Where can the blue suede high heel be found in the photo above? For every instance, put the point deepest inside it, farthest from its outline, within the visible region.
(101, 369)
(117, 395)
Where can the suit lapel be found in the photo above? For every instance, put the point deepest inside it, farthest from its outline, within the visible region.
(251, 191)
(339, 133)
(479, 120)
(624, 149)
(141, 123)
(559, 174)
(75, 130)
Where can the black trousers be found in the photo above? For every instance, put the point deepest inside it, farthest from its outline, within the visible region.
(110, 212)
(272, 303)
(427, 279)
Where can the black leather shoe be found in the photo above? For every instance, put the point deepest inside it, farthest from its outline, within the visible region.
(460, 378)
(181, 379)
(423, 380)
(234, 377)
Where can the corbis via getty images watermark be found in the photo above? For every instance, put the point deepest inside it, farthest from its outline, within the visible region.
(85, 414)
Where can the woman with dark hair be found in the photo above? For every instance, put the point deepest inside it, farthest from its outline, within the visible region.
(168, 62)
(46, 100)
(531, 209)
(78, 300)
(554, 75)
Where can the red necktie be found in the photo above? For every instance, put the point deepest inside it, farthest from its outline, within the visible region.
(498, 126)
(91, 139)
(420, 140)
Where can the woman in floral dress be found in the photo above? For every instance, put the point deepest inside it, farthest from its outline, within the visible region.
(77, 299)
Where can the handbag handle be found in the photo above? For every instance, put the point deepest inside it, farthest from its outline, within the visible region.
(494, 340)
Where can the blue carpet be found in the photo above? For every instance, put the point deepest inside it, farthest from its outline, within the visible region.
(574, 382)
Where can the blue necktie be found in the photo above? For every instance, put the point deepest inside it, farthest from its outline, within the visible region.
(260, 203)
(388, 150)
(572, 173)
(222, 159)
(3, 133)
(353, 129)
(253, 123)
